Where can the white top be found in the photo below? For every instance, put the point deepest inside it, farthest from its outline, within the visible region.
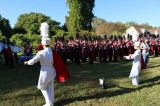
(47, 71)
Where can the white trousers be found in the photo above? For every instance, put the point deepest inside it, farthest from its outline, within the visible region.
(48, 94)
(135, 80)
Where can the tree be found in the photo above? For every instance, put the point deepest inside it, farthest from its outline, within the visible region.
(30, 23)
(86, 33)
(120, 27)
(18, 38)
(147, 26)
(60, 32)
(97, 21)
(2, 37)
(34, 39)
(102, 29)
(18, 30)
(5, 27)
(111, 28)
(129, 24)
(80, 15)
(21, 39)
(65, 26)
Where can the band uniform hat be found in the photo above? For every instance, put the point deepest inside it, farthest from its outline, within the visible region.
(46, 41)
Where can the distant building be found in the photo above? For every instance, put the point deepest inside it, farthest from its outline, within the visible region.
(135, 31)
(156, 32)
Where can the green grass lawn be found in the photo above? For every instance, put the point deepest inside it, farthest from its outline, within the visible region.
(18, 86)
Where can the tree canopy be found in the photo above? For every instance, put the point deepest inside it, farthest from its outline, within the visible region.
(97, 21)
(110, 28)
(5, 27)
(80, 15)
(30, 23)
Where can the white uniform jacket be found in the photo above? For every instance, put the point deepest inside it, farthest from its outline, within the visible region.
(47, 71)
(146, 48)
(136, 67)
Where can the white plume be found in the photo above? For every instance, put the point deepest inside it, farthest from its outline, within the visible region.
(44, 30)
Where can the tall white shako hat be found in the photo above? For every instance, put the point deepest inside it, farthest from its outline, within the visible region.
(44, 33)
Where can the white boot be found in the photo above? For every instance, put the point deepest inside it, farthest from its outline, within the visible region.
(48, 104)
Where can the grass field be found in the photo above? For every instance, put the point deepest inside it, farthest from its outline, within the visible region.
(18, 86)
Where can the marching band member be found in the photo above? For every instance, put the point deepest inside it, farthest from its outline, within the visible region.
(91, 52)
(77, 52)
(47, 71)
(152, 43)
(15, 53)
(116, 50)
(84, 51)
(110, 51)
(28, 50)
(156, 47)
(100, 50)
(8, 54)
(104, 51)
(52, 66)
(136, 67)
(145, 51)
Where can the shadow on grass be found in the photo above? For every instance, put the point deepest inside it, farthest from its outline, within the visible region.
(123, 90)
(154, 66)
(152, 56)
(150, 80)
(23, 96)
(21, 76)
(18, 78)
(100, 70)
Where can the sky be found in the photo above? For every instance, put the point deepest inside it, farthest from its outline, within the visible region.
(140, 11)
